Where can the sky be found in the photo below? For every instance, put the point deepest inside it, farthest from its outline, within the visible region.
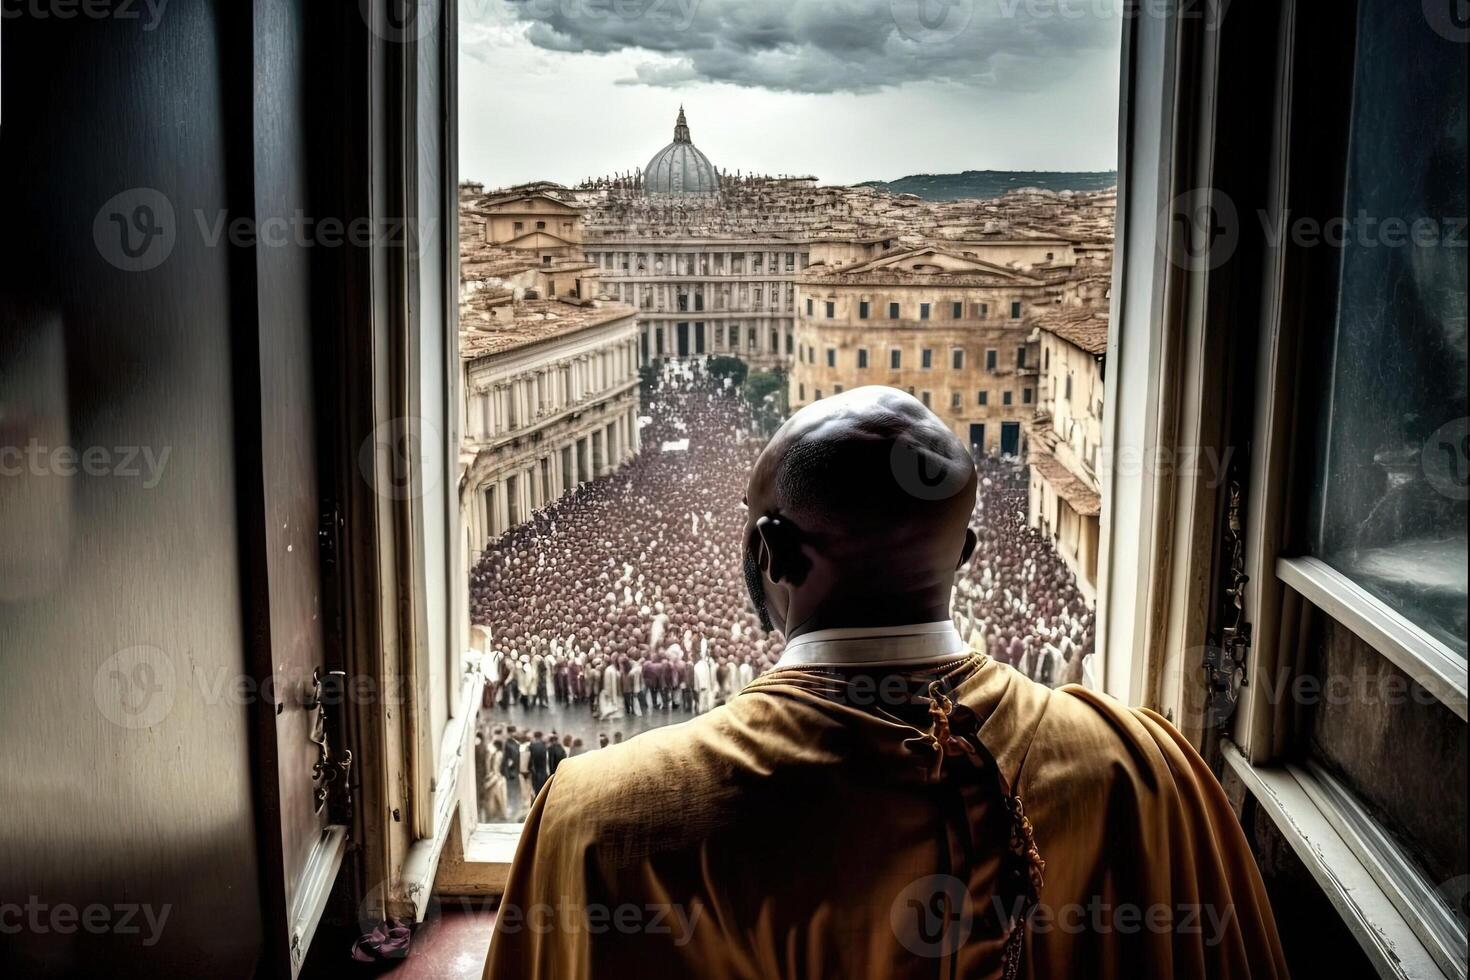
(843, 90)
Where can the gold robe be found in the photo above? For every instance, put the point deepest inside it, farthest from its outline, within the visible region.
(833, 822)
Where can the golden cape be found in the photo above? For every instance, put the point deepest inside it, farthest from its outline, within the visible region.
(832, 824)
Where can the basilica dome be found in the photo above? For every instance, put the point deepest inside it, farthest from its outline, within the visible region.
(679, 168)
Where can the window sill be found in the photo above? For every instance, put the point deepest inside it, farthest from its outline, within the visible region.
(1369, 913)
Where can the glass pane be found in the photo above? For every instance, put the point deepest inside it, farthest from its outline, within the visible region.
(1390, 490)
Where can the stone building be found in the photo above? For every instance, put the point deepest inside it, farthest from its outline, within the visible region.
(709, 260)
(551, 400)
(550, 367)
(1065, 435)
(949, 321)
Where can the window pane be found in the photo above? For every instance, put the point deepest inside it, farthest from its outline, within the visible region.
(1390, 484)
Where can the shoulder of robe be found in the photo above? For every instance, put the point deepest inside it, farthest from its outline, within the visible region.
(1089, 747)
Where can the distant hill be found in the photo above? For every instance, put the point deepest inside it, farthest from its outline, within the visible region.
(993, 183)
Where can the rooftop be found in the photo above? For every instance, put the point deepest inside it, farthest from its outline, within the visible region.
(1082, 327)
(533, 321)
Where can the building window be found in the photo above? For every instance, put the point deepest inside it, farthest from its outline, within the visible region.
(831, 357)
(788, 345)
(1046, 359)
(1069, 387)
(1026, 396)
(1016, 310)
(923, 311)
(817, 394)
(809, 306)
(862, 358)
(863, 310)
(801, 392)
(811, 354)
(831, 309)
(837, 389)
(545, 260)
(991, 359)
(519, 227)
(958, 311)
(1005, 397)
(955, 400)
(540, 226)
(926, 358)
(957, 358)
(895, 359)
(893, 311)
(1020, 357)
(982, 310)
(927, 397)
(983, 398)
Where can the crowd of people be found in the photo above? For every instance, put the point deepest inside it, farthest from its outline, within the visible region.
(625, 599)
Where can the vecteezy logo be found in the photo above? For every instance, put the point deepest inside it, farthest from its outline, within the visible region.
(933, 916)
(134, 688)
(1199, 230)
(135, 230)
(401, 21)
(1446, 459)
(929, 21)
(1450, 19)
(923, 475)
(402, 459)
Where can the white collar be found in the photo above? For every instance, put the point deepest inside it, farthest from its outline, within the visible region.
(888, 646)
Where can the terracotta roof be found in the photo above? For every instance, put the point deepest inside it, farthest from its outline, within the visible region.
(1068, 485)
(1081, 327)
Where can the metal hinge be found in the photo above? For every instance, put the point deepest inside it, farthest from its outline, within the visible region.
(1225, 660)
(330, 768)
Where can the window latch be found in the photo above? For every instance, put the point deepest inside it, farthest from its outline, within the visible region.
(330, 768)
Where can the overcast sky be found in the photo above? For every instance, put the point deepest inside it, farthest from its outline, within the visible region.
(846, 90)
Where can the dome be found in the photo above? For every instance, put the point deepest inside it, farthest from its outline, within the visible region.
(679, 168)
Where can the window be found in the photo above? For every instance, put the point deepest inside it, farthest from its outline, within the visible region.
(831, 357)
(817, 394)
(1021, 357)
(837, 389)
(809, 307)
(831, 309)
(1068, 394)
(957, 359)
(518, 226)
(923, 311)
(893, 311)
(982, 310)
(991, 359)
(862, 358)
(1016, 310)
(1005, 397)
(811, 354)
(926, 358)
(927, 397)
(801, 392)
(956, 400)
(982, 398)
(1027, 395)
(895, 359)
(957, 311)
(540, 226)
(863, 310)
(1046, 358)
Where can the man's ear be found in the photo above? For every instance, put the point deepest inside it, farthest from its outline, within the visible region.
(969, 549)
(781, 549)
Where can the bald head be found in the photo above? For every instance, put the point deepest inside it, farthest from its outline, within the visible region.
(859, 499)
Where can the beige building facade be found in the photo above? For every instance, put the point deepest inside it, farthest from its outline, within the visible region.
(1064, 438)
(947, 321)
(551, 401)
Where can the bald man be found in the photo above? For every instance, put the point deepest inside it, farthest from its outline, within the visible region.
(884, 803)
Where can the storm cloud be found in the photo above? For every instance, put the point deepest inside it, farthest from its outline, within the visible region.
(828, 46)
